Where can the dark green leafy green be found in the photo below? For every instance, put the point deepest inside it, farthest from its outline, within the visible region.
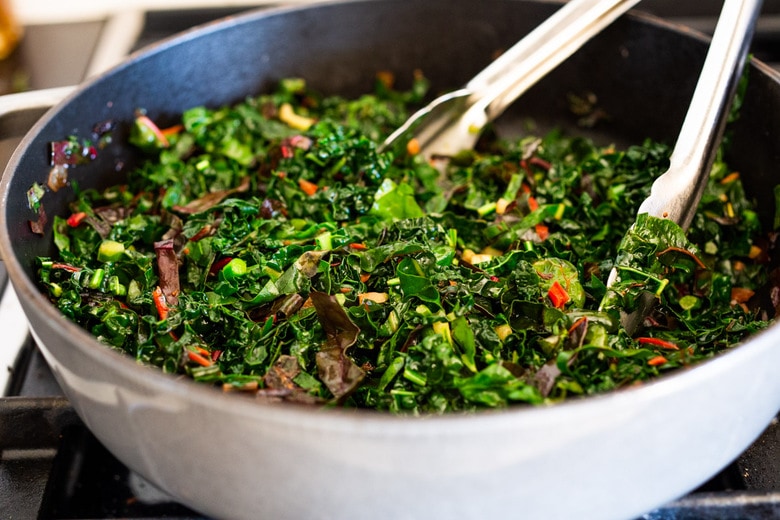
(268, 247)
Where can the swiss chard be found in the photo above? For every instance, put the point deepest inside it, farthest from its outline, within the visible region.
(269, 248)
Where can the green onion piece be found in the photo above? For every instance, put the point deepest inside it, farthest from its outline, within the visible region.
(234, 269)
(110, 251)
(96, 280)
(485, 209)
(324, 241)
(415, 377)
(55, 290)
(116, 287)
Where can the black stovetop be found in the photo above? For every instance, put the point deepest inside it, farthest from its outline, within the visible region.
(51, 466)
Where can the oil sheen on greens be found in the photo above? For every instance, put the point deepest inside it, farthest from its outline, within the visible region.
(268, 248)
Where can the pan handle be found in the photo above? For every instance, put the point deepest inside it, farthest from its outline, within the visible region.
(18, 112)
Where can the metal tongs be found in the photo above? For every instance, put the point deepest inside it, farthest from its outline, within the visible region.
(675, 195)
(453, 122)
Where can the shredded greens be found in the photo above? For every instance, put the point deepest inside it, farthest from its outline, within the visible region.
(267, 247)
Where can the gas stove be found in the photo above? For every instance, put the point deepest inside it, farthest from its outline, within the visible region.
(51, 466)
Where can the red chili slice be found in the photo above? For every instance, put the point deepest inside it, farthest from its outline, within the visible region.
(75, 219)
(657, 360)
(160, 303)
(658, 342)
(558, 295)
